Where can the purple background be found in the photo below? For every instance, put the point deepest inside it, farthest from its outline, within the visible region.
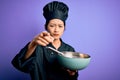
(93, 27)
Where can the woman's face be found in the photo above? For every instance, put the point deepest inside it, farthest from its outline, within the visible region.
(56, 28)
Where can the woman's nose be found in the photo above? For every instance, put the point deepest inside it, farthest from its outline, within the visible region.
(56, 28)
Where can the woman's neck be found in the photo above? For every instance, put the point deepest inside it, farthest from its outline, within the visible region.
(56, 43)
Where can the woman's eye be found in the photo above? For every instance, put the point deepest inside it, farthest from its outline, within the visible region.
(51, 25)
(60, 26)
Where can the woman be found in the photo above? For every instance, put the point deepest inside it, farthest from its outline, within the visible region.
(39, 61)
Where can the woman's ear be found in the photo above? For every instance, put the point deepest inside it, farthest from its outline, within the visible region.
(45, 27)
(64, 28)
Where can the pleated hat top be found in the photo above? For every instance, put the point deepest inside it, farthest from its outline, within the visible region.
(55, 10)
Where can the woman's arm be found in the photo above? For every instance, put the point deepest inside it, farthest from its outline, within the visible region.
(42, 39)
(30, 50)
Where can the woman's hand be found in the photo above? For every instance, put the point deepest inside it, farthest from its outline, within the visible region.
(43, 39)
(71, 72)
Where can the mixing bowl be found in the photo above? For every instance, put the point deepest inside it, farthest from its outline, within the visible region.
(74, 60)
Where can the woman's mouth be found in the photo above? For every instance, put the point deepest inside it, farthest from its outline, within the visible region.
(55, 34)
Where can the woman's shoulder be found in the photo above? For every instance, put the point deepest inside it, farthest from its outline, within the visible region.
(68, 46)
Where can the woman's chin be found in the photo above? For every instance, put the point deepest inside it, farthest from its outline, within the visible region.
(56, 38)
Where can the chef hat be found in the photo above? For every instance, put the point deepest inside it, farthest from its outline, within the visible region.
(55, 10)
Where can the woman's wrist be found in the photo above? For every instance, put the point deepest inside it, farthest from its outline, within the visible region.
(32, 45)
